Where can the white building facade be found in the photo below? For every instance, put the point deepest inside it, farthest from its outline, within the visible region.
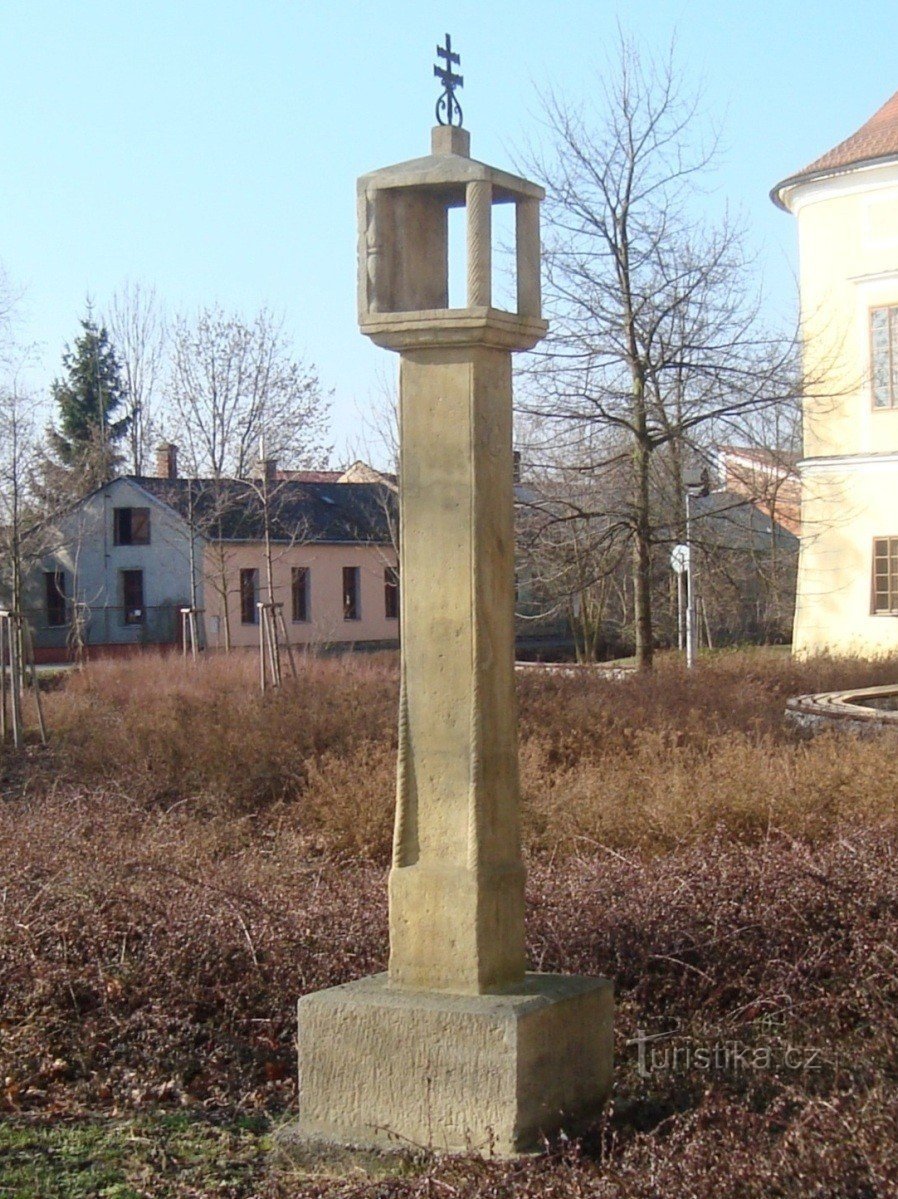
(846, 203)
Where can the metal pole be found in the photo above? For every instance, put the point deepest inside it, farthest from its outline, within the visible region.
(681, 587)
(690, 591)
(15, 692)
(3, 677)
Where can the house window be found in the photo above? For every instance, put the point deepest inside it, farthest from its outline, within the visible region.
(131, 526)
(351, 609)
(391, 593)
(884, 356)
(54, 589)
(885, 575)
(132, 597)
(249, 590)
(300, 592)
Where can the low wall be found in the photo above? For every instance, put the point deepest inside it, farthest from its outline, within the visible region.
(573, 670)
(865, 712)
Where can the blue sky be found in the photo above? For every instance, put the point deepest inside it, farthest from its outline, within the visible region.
(211, 148)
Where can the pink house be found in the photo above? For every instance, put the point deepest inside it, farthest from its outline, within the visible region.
(332, 592)
(321, 548)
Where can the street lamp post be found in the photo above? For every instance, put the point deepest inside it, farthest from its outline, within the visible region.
(695, 487)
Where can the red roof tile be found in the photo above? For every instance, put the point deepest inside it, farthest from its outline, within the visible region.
(877, 139)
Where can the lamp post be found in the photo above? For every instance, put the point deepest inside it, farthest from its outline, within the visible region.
(696, 486)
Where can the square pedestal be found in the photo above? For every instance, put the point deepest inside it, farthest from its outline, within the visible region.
(388, 1068)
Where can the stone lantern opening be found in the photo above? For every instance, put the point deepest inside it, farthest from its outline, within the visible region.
(404, 233)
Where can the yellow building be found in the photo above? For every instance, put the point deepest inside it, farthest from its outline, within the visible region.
(846, 203)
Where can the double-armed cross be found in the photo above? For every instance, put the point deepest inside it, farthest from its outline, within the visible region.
(448, 109)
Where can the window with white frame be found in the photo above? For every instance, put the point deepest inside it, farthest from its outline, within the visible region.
(885, 575)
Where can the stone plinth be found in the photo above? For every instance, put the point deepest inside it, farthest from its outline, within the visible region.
(391, 1068)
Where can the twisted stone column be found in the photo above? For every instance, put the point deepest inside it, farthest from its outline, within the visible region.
(479, 202)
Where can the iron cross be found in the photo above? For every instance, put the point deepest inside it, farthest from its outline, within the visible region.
(448, 109)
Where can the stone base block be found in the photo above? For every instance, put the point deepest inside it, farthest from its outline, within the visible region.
(388, 1068)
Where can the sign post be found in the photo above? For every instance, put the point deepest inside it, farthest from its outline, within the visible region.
(679, 561)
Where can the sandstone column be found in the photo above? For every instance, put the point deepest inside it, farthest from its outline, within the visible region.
(456, 1047)
(457, 885)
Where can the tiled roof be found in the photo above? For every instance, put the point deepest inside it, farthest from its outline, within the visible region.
(310, 476)
(727, 520)
(874, 141)
(347, 513)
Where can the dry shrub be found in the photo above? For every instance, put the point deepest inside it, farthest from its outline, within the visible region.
(645, 762)
(824, 1149)
(152, 958)
(656, 794)
(732, 691)
(155, 956)
(654, 760)
(166, 730)
(348, 800)
(190, 857)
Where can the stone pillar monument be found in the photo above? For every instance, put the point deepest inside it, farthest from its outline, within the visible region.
(457, 1047)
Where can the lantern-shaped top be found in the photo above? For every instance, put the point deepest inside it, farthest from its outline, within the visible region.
(404, 251)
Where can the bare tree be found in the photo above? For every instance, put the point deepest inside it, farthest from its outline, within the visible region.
(231, 383)
(762, 467)
(137, 329)
(10, 353)
(19, 455)
(376, 442)
(376, 433)
(655, 331)
(571, 562)
(283, 527)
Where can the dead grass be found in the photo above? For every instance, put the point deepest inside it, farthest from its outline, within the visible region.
(167, 731)
(187, 859)
(646, 763)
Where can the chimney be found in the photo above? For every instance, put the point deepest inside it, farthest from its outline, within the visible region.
(167, 460)
(265, 469)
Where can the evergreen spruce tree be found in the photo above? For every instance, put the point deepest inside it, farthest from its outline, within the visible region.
(89, 397)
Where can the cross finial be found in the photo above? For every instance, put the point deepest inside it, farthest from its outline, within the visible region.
(448, 108)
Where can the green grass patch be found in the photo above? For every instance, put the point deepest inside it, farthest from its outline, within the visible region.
(164, 1155)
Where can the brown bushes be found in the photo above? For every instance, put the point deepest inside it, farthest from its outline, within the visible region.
(165, 731)
(189, 858)
(153, 959)
(646, 762)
